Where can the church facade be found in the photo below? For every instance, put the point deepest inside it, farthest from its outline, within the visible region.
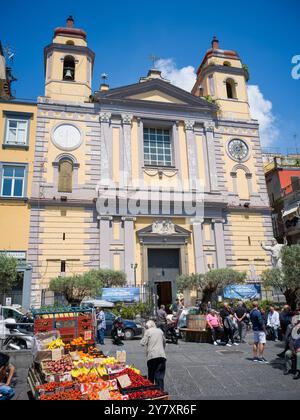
(146, 178)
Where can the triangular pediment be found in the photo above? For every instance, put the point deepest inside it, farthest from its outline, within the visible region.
(154, 92)
(157, 96)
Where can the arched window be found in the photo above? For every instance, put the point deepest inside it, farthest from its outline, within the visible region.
(65, 176)
(230, 89)
(69, 68)
(70, 42)
(227, 64)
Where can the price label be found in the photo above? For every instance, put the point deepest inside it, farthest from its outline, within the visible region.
(121, 356)
(124, 381)
(56, 355)
(104, 395)
(87, 335)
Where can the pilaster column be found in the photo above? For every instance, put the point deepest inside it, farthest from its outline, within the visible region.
(106, 148)
(192, 152)
(249, 180)
(141, 151)
(105, 240)
(127, 153)
(129, 246)
(176, 144)
(234, 182)
(220, 243)
(209, 133)
(198, 245)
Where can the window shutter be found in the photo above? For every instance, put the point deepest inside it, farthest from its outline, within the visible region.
(65, 177)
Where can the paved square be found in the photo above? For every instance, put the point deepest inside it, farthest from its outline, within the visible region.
(201, 371)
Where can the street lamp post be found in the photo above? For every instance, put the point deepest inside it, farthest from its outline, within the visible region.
(134, 267)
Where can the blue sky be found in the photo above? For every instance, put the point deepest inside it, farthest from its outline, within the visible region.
(123, 35)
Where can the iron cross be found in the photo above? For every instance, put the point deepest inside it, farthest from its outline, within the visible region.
(154, 59)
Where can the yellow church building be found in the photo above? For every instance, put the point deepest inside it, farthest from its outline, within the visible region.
(145, 178)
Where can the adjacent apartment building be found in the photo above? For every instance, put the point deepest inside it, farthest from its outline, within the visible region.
(17, 140)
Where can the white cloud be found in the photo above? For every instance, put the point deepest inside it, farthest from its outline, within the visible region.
(185, 78)
(261, 108)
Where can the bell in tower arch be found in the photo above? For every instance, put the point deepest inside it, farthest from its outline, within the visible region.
(69, 68)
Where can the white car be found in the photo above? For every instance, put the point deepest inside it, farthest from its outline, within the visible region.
(12, 312)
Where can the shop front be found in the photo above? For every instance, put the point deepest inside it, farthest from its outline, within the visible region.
(20, 293)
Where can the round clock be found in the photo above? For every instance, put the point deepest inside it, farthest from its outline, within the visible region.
(238, 149)
(67, 137)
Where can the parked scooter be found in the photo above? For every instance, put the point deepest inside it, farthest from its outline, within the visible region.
(172, 333)
(14, 338)
(118, 332)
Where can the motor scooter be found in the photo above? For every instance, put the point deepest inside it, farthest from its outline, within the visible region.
(172, 332)
(14, 339)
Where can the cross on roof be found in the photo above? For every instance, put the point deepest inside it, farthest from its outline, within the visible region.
(154, 59)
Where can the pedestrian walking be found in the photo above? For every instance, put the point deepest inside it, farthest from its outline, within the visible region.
(6, 375)
(226, 314)
(155, 343)
(214, 324)
(241, 318)
(260, 334)
(273, 323)
(101, 325)
(162, 318)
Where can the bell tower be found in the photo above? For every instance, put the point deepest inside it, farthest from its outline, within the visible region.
(69, 65)
(222, 77)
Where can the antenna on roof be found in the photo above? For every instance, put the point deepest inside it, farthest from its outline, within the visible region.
(9, 53)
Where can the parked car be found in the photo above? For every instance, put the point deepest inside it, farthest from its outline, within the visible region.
(131, 328)
(12, 312)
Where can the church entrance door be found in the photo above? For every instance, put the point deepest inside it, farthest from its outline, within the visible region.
(163, 269)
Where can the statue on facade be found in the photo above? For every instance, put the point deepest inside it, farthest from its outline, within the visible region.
(276, 252)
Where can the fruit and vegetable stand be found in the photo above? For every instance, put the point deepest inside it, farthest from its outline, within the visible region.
(80, 371)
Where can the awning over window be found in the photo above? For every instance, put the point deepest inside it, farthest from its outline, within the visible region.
(291, 211)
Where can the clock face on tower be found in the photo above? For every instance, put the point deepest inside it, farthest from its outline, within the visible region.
(238, 150)
(67, 137)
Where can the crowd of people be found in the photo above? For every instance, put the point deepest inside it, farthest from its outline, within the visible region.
(229, 327)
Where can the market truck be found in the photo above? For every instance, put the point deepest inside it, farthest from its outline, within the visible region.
(72, 323)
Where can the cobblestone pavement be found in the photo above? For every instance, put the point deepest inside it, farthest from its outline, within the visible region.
(201, 371)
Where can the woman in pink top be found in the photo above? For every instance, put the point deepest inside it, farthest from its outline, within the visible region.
(214, 325)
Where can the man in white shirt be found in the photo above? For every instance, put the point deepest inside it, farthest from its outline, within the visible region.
(273, 322)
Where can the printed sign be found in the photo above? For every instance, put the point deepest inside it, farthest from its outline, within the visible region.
(121, 356)
(18, 255)
(87, 335)
(124, 381)
(56, 354)
(8, 301)
(104, 395)
(127, 295)
(242, 291)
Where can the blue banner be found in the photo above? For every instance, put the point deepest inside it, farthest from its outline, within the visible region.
(126, 295)
(242, 291)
